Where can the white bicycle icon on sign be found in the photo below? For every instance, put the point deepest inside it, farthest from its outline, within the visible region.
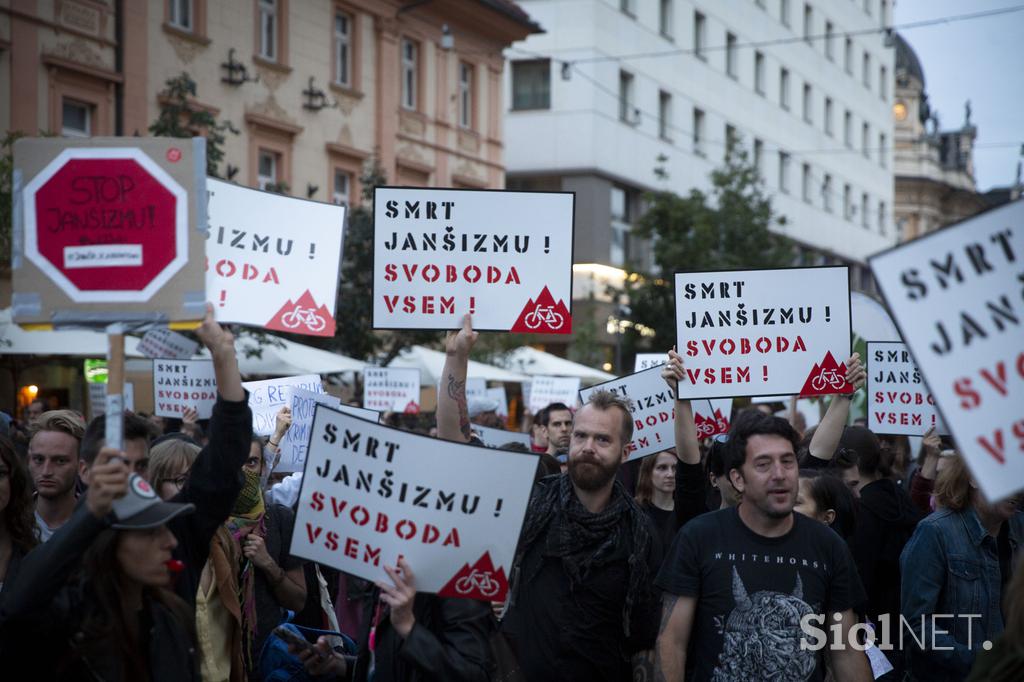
(298, 316)
(478, 580)
(545, 314)
(827, 377)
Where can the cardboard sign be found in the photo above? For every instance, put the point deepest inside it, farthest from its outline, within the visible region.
(391, 389)
(899, 402)
(98, 398)
(648, 360)
(763, 332)
(495, 438)
(653, 409)
(108, 230)
(180, 384)
(545, 390)
(269, 396)
(163, 343)
(262, 271)
(371, 494)
(956, 297)
(504, 257)
(712, 416)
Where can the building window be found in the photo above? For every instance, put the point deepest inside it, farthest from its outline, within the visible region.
(883, 150)
(784, 172)
(881, 217)
(830, 39)
(664, 115)
(698, 132)
(883, 83)
(784, 12)
(620, 225)
(410, 74)
(866, 71)
(864, 210)
(700, 30)
(882, 12)
(267, 171)
(865, 140)
(180, 14)
(867, 7)
(805, 182)
(665, 19)
(268, 29)
(343, 49)
(628, 7)
(627, 111)
(848, 129)
(731, 137)
(828, 116)
(848, 55)
(784, 88)
(826, 193)
(808, 104)
(730, 54)
(465, 95)
(342, 191)
(76, 119)
(531, 84)
(758, 156)
(847, 202)
(759, 72)
(808, 24)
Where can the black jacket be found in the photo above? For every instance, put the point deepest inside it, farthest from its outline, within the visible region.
(41, 617)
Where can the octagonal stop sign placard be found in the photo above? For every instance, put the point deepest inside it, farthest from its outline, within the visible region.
(112, 221)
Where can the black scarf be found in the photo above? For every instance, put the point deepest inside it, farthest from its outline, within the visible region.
(584, 541)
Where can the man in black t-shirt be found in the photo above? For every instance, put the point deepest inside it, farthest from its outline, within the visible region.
(741, 585)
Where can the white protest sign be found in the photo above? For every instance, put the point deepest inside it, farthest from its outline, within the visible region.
(391, 389)
(648, 360)
(272, 260)
(179, 384)
(371, 494)
(498, 395)
(545, 390)
(504, 257)
(956, 297)
(653, 409)
(476, 388)
(495, 438)
(296, 439)
(763, 332)
(712, 416)
(163, 343)
(269, 396)
(98, 398)
(899, 402)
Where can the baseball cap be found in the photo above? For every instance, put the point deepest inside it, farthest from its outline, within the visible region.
(478, 406)
(141, 508)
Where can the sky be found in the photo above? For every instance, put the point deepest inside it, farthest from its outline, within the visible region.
(980, 60)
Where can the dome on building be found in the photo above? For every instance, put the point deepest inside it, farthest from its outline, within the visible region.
(907, 61)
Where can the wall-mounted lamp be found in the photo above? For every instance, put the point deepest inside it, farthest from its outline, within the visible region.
(237, 74)
(311, 190)
(447, 39)
(316, 99)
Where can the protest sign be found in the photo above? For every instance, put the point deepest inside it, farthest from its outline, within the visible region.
(371, 494)
(98, 398)
(648, 360)
(495, 438)
(180, 384)
(163, 343)
(653, 409)
(504, 257)
(899, 402)
(712, 416)
(763, 332)
(545, 390)
(108, 230)
(476, 388)
(259, 264)
(498, 395)
(956, 297)
(269, 396)
(391, 389)
(296, 439)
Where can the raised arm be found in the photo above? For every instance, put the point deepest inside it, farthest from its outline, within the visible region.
(687, 444)
(677, 614)
(830, 430)
(848, 663)
(452, 411)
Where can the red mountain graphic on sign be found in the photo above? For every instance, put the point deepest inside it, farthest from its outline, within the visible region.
(827, 377)
(303, 317)
(412, 408)
(723, 422)
(479, 581)
(544, 316)
(708, 426)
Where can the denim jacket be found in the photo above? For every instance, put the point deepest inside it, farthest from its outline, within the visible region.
(951, 566)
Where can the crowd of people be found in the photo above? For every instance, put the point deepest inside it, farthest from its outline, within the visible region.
(772, 552)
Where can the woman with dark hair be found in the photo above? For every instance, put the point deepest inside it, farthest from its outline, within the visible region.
(17, 524)
(824, 497)
(655, 490)
(94, 602)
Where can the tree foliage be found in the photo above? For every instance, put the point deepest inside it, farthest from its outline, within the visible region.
(726, 228)
(180, 116)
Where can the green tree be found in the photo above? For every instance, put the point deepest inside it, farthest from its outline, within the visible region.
(6, 175)
(180, 116)
(726, 228)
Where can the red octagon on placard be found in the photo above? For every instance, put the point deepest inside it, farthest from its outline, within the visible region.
(106, 229)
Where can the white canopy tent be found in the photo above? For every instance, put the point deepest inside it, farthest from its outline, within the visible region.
(536, 362)
(430, 363)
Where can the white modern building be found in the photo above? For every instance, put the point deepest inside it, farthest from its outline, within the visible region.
(613, 84)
